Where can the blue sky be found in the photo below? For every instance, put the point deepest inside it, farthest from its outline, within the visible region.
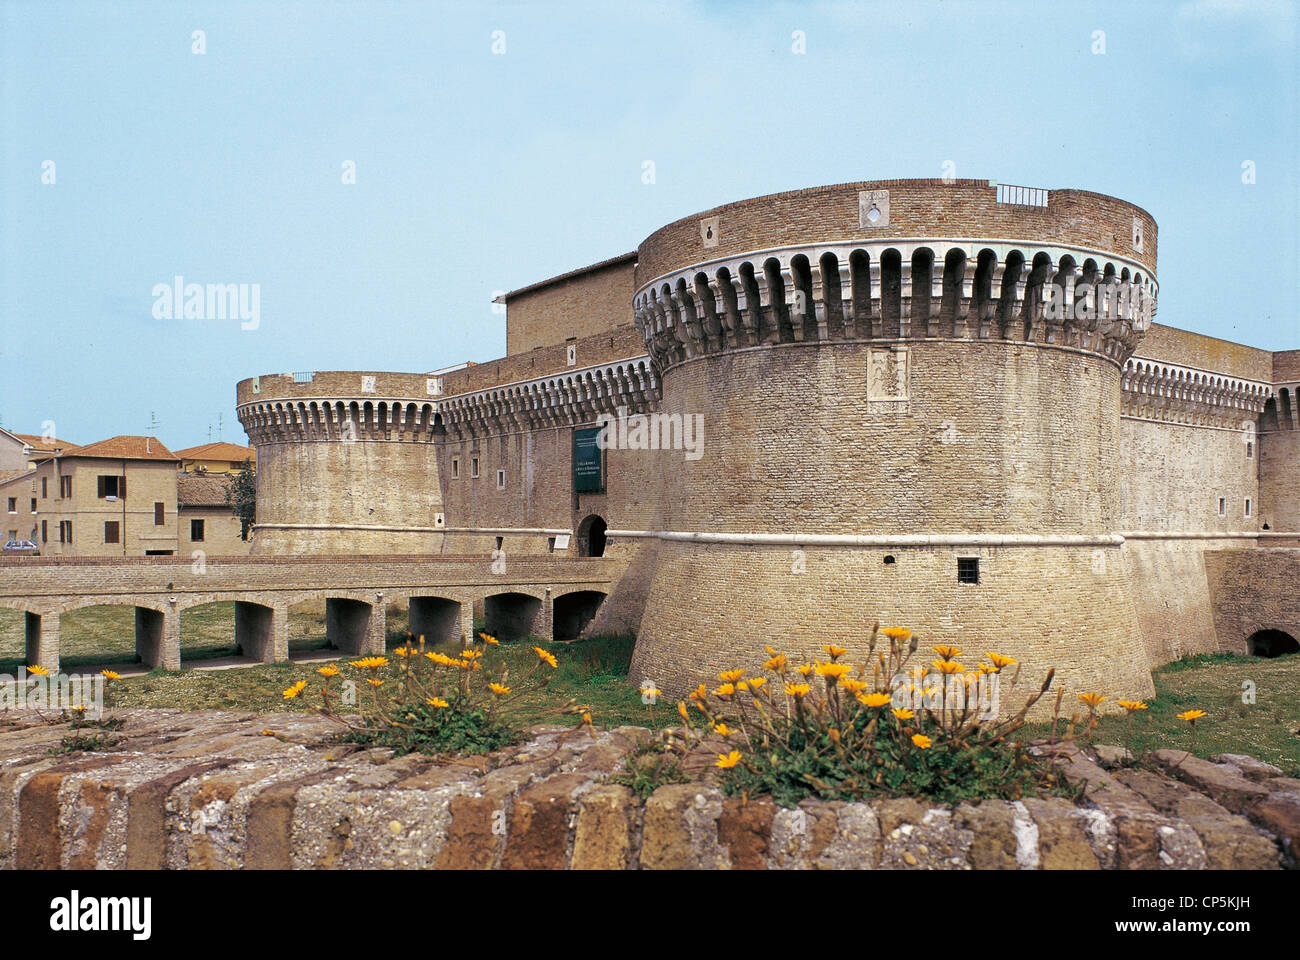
(478, 172)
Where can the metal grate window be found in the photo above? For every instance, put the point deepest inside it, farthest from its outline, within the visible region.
(304, 377)
(1022, 196)
(968, 569)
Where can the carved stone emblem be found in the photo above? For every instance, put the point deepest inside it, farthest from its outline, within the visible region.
(887, 378)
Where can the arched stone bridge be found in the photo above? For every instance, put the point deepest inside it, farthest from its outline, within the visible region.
(547, 597)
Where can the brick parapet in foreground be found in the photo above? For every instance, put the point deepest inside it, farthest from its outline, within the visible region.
(219, 790)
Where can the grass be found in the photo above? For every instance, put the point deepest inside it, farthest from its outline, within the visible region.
(1268, 728)
(594, 671)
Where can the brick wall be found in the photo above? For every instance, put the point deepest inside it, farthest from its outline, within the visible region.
(210, 790)
(1252, 590)
(610, 343)
(581, 304)
(925, 208)
(1206, 353)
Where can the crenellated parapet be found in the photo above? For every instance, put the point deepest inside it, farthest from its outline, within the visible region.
(1282, 412)
(899, 290)
(1170, 393)
(571, 398)
(288, 419)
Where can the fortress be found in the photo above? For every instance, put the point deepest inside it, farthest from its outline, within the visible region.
(915, 401)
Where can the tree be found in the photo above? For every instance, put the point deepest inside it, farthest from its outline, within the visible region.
(241, 494)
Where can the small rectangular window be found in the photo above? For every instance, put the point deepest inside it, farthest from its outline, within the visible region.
(159, 514)
(65, 531)
(196, 531)
(45, 531)
(1250, 450)
(111, 529)
(13, 504)
(455, 468)
(501, 479)
(1223, 506)
(45, 487)
(473, 468)
(110, 487)
(968, 569)
(65, 487)
(33, 504)
(1248, 506)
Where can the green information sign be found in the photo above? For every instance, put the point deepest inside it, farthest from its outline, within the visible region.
(588, 468)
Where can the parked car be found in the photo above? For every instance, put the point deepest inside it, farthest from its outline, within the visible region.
(21, 548)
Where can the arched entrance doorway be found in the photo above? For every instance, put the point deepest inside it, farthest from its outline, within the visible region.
(591, 536)
(1271, 643)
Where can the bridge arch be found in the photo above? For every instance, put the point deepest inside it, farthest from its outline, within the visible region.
(573, 611)
(511, 615)
(1271, 643)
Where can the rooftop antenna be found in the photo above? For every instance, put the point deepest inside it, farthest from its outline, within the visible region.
(218, 428)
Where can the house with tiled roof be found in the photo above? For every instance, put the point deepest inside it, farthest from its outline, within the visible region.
(124, 496)
(21, 451)
(217, 457)
(116, 497)
(206, 520)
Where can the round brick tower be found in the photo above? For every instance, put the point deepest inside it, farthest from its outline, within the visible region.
(910, 391)
(347, 462)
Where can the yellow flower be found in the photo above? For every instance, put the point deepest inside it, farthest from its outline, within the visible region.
(110, 675)
(490, 639)
(833, 670)
(777, 664)
(469, 653)
(853, 686)
(499, 689)
(756, 682)
(699, 693)
(946, 652)
(797, 690)
(948, 666)
(728, 760)
(548, 658)
(1191, 716)
(722, 730)
(897, 633)
(922, 741)
(731, 676)
(834, 652)
(586, 718)
(296, 689)
(327, 671)
(986, 668)
(806, 669)
(649, 690)
(436, 702)
(369, 663)
(904, 714)
(1000, 661)
(726, 690)
(1131, 705)
(681, 711)
(874, 699)
(38, 671)
(1091, 699)
(373, 682)
(405, 652)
